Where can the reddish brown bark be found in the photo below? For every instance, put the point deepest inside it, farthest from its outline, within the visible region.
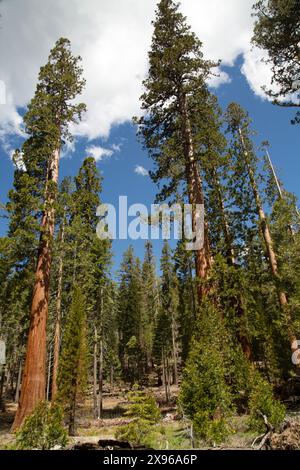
(34, 375)
(203, 260)
(57, 321)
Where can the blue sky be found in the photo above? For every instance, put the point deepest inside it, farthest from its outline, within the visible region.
(119, 177)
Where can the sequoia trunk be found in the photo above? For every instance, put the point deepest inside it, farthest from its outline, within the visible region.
(34, 375)
(203, 259)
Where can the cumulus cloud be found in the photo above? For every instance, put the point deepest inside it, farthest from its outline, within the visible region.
(140, 170)
(98, 153)
(257, 72)
(113, 39)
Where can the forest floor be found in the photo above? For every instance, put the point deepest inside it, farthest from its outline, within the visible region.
(171, 432)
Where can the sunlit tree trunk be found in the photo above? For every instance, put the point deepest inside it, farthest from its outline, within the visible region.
(56, 349)
(203, 260)
(34, 375)
(18, 384)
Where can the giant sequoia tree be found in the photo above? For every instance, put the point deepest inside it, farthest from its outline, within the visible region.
(46, 122)
(277, 30)
(178, 116)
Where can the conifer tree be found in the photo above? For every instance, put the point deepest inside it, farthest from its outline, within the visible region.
(130, 308)
(277, 31)
(187, 298)
(90, 255)
(109, 327)
(178, 118)
(86, 257)
(19, 256)
(166, 334)
(59, 257)
(205, 395)
(239, 126)
(72, 378)
(150, 304)
(46, 122)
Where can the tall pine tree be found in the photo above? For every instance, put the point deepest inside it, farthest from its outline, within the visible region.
(46, 122)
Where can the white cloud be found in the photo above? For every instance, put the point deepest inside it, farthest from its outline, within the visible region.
(257, 72)
(2, 92)
(219, 78)
(10, 125)
(140, 170)
(98, 153)
(113, 39)
(116, 147)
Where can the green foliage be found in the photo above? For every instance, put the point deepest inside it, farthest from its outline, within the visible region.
(73, 356)
(145, 413)
(85, 258)
(187, 298)
(147, 324)
(262, 403)
(130, 314)
(43, 429)
(143, 406)
(285, 228)
(150, 304)
(205, 396)
(46, 124)
(277, 30)
(166, 325)
(137, 432)
(72, 377)
(177, 74)
(169, 436)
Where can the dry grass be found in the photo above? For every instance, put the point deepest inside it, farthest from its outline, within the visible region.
(168, 434)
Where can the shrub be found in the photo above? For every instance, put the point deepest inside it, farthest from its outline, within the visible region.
(145, 413)
(205, 396)
(43, 429)
(262, 402)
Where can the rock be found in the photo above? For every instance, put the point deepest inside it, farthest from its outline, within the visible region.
(288, 438)
(112, 444)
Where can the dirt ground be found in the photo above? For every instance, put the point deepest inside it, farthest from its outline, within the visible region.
(172, 432)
